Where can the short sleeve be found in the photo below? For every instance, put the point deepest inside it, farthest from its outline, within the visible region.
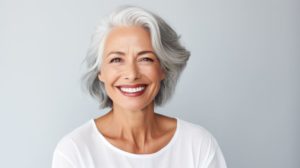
(217, 160)
(213, 157)
(65, 154)
(61, 161)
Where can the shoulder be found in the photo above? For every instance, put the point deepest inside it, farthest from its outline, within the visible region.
(80, 135)
(68, 151)
(194, 130)
(200, 139)
(197, 136)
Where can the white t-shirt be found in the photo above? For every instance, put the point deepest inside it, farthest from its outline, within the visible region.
(190, 147)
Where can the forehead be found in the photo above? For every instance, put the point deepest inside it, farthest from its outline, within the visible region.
(123, 37)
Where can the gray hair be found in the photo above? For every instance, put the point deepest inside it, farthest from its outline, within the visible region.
(165, 42)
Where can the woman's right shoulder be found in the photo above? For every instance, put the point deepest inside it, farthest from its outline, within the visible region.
(79, 135)
(67, 151)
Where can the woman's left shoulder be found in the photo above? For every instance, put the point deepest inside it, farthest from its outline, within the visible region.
(195, 132)
(198, 137)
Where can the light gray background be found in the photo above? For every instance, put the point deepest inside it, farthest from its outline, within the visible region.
(241, 83)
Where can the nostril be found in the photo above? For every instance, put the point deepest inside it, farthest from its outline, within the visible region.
(132, 73)
(131, 77)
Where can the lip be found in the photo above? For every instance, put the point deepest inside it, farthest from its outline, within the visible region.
(132, 86)
(135, 94)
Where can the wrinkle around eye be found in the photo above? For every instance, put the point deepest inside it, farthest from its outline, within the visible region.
(147, 59)
(115, 60)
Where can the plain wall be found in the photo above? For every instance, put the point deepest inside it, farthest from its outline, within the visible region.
(241, 83)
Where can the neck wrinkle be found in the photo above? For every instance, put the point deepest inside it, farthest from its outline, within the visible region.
(135, 126)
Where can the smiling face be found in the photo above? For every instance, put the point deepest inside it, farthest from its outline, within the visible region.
(130, 70)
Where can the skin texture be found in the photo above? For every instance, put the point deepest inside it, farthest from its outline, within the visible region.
(129, 61)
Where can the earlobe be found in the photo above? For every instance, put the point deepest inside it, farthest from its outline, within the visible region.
(100, 77)
(163, 75)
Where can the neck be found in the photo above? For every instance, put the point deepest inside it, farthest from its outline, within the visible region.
(135, 126)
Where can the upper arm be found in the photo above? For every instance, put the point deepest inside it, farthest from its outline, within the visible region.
(217, 160)
(212, 156)
(65, 154)
(60, 160)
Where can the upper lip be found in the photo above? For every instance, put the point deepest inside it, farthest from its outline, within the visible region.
(131, 86)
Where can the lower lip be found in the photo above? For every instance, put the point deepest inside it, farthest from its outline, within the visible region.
(135, 94)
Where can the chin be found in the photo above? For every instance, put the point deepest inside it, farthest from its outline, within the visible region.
(131, 106)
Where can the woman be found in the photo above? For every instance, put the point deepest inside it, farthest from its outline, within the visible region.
(134, 62)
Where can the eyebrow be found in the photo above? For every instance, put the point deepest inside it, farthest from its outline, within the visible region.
(139, 53)
(115, 52)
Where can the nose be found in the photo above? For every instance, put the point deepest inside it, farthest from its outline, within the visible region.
(131, 72)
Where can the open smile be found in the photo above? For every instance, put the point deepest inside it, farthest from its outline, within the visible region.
(132, 90)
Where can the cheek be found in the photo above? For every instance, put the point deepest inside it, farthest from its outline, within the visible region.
(155, 73)
(109, 75)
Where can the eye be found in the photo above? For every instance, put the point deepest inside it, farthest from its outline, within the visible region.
(146, 59)
(115, 60)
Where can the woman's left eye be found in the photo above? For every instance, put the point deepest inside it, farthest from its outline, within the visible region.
(147, 59)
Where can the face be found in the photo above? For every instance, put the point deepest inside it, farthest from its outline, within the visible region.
(130, 70)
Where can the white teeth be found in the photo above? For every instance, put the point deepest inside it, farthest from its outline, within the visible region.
(133, 90)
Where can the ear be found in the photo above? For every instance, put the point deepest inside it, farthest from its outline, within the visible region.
(100, 77)
(163, 74)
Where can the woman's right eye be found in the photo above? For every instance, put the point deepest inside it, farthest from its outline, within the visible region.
(115, 60)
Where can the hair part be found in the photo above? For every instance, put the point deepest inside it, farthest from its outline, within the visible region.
(165, 42)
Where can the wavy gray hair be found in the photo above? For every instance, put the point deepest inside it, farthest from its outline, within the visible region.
(165, 41)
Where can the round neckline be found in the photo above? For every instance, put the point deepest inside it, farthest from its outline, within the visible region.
(146, 155)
